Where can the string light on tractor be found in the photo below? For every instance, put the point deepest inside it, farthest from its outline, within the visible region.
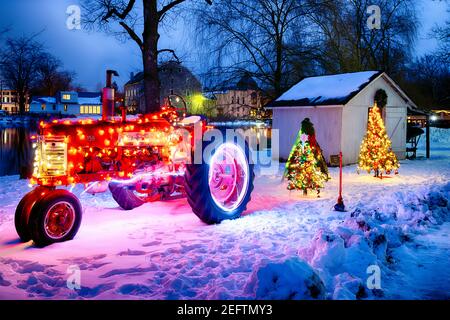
(139, 159)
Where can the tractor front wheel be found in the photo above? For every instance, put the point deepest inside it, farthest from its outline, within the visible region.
(23, 211)
(56, 217)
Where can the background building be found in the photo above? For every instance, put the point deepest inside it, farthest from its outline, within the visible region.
(174, 78)
(69, 103)
(9, 101)
(243, 100)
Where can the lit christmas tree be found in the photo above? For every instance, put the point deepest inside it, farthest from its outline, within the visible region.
(376, 153)
(306, 168)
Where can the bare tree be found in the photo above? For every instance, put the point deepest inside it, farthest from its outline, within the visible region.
(350, 45)
(132, 20)
(260, 37)
(51, 77)
(427, 81)
(19, 61)
(442, 35)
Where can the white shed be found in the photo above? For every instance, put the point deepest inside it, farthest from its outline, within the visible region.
(338, 107)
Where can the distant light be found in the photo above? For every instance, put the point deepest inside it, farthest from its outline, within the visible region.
(433, 118)
(198, 99)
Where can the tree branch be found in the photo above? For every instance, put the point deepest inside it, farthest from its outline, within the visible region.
(132, 34)
(171, 51)
(121, 15)
(172, 4)
(168, 7)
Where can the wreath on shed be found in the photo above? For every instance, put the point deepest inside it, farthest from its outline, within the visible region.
(381, 98)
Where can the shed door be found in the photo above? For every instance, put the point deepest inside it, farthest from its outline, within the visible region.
(395, 121)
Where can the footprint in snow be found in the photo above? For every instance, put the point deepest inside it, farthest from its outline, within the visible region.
(87, 263)
(23, 266)
(151, 244)
(3, 282)
(42, 285)
(211, 264)
(86, 292)
(128, 271)
(132, 253)
(134, 290)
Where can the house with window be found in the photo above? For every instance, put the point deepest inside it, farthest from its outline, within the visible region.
(175, 79)
(69, 103)
(9, 101)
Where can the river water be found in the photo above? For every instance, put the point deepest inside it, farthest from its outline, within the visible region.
(15, 150)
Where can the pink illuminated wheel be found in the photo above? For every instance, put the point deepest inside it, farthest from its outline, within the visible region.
(220, 190)
(56, 217)
(228, 176)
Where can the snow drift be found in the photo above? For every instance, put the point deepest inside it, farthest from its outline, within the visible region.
(292, 280)
(369, 237)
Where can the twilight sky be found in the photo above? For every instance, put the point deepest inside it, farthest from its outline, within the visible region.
(90, 54)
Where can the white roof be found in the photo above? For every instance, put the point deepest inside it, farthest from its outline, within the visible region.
(332, 89)
(48, 100)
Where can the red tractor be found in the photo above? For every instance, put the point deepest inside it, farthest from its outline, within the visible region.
(140, 159)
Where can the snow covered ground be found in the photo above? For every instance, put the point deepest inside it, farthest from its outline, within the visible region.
(286, 245)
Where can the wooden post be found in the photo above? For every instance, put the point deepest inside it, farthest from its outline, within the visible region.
(339, 206)
(428, 136)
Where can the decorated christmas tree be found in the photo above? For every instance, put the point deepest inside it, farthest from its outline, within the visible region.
(306, 167)
(376, 153)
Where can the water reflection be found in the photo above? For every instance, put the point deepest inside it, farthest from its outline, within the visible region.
(15, 151)
(262, 133)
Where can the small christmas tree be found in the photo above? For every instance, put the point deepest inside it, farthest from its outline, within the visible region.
(306, 168)
(376, 153)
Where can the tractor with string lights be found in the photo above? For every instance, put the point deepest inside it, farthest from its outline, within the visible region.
(139, 159)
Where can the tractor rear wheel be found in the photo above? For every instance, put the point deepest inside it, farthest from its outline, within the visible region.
(221, 189)
(56, 217)
(23, 211)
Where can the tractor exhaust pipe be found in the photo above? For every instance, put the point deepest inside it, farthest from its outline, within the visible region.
(108, 99)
